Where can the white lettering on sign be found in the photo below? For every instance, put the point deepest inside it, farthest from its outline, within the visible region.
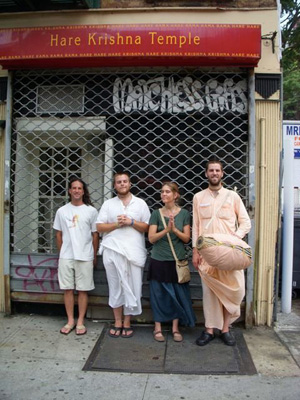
(186, 95)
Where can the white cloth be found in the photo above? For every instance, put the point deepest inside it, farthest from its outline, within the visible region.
(124, 282)
(76, 224)
(126, 240)
(124, 253)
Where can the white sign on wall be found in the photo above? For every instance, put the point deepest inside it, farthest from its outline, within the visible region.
(291, 131)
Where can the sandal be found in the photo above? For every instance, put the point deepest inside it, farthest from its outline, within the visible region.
(158, 338)
(117, 332)
(125, 333)
(80, 330)
(177, 336)
(65, 330)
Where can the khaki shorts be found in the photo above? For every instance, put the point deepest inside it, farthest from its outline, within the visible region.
(74, 274)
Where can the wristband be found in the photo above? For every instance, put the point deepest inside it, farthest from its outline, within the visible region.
(132, 222)
(117, 224)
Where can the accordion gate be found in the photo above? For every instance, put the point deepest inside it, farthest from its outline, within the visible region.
(157, 124)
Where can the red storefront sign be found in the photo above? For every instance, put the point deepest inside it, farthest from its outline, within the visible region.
(131, 45)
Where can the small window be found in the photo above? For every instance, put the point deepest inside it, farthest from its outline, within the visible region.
(60, 99)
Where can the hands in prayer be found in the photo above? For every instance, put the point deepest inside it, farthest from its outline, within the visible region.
(123, 220)
(171, 225)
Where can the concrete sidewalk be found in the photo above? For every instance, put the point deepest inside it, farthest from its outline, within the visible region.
(39, 363)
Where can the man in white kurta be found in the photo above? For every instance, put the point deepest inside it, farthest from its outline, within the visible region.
(218, 210)
(123, 220)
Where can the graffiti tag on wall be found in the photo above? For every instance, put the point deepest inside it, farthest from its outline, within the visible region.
(36, 279)
(166, 95)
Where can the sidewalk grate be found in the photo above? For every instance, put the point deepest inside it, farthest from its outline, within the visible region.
(141, 354)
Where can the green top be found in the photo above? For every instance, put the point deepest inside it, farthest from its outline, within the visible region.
(161, 249)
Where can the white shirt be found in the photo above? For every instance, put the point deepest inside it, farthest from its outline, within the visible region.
(126, 240)
(76, 224)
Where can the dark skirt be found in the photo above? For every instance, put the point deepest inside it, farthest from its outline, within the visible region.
(171, 301)
(162, 271)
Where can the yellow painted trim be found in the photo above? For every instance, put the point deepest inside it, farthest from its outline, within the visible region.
(267, 202)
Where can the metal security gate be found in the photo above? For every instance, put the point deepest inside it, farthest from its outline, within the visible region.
(156, 124)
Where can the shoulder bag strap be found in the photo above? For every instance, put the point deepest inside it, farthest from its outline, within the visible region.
(168, 235)
(214, 216)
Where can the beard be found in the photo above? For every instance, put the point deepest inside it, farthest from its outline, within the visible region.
(214, 183)
(123, 192)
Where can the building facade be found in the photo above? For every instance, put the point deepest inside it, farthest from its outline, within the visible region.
(153, 88)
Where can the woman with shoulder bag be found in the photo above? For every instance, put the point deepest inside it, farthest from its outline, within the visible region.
(170, 301)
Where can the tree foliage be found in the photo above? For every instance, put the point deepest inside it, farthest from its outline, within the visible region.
(290, 30)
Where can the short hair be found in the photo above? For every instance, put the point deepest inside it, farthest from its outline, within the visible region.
(86, 195)
(213, 161)
(121, 173)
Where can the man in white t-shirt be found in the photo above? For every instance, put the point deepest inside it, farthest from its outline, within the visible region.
(123, 220)
(77, 242)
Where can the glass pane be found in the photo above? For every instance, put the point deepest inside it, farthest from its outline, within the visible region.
(59, 184)
(45, 184)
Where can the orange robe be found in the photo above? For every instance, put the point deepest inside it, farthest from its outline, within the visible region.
(220, 288)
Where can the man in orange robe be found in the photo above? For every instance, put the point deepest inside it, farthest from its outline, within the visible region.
(218, 210)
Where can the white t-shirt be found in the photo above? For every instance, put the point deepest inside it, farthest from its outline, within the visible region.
(76, 224)
(126, 240)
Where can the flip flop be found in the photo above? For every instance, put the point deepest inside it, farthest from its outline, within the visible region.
(81, 330)
(116, 329)
(69, 328)
(125, 333)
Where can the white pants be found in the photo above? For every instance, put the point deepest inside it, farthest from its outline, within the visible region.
(124, 282)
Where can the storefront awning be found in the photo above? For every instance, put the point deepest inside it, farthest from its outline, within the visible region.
(131, 45)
